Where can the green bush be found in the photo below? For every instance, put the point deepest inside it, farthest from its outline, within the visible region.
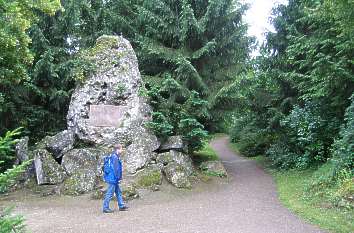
(8, 222)
(177, 111)
(6, 149)
(193, 133)
(160, 125)
(333, 185)
(335, 178)
(344, 146)
(250, 139)
(304, 139)
(282, 156)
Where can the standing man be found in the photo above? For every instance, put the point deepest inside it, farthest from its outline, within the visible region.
(112, 176)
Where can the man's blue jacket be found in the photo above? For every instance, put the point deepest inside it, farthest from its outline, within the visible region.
(116, 176)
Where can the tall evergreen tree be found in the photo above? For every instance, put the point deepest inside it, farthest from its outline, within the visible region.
(15, 57)
(202, 45)
(300, 89)
(187, 50)
(198, 45)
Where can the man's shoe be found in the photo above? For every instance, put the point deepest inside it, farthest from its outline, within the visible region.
(124, 208)
(108, 211)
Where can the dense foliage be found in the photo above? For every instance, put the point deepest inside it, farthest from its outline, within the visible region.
(16, 85)
(16, 18)
(186, 59)
(295, 106)
(183, 55)
(9, 222)
(187, 51)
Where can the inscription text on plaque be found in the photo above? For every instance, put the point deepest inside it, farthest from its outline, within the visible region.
(106, 115)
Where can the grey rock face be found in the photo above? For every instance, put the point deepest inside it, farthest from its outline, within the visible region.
(48, 171)
(137, 156)
(113, 88)
(150, 177)
(116, 82)
(80, 182)
(141, 151)
(215, 168)
(177, 175)
(59, 143)
(177, 167)
(78, 159)
(22, 155)
(173, 143)
(129, 191)
(176, 157)
(21, 150)
(145, 139)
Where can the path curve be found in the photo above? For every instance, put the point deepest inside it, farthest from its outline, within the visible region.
(248, 203)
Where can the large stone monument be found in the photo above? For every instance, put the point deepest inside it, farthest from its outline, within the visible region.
(106, 109)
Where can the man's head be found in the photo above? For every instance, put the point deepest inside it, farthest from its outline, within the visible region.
(118, 148)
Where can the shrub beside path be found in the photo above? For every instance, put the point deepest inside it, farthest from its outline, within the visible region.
(246, 203)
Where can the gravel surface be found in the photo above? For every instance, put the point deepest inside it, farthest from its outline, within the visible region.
(246, 202)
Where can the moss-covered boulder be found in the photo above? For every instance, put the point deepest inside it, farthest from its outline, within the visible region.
(116, 81)
(58, 144)
(129, 191)
(136, 157)
(78, 159)
(48, 171)
(177, 157)
(177, 175)
(213, 168)
(80, 182)
(172, 143)
(150, 178)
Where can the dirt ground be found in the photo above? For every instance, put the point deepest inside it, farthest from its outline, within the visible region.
(247, 202)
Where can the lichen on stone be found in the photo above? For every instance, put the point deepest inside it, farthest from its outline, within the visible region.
(149, 178)
(82, 181)
(177, 175)
(213, 168)
(106, 48)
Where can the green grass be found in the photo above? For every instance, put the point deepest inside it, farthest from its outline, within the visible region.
(313, 208)
(217, 135)
(149, 180)
(205, 154)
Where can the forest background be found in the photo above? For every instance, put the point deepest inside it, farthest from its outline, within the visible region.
(293, 103)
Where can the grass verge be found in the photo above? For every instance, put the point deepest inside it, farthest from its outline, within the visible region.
(291, 186)
(205, 154)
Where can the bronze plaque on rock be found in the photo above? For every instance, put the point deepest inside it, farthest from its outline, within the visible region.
(106, 115)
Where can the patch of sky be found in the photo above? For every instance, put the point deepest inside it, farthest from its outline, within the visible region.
(258, 19)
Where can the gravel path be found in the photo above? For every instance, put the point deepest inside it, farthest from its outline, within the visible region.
(247, 202)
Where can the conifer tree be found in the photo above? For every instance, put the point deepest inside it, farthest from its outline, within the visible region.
(200, 45)
(16, 17)
(292, 107)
